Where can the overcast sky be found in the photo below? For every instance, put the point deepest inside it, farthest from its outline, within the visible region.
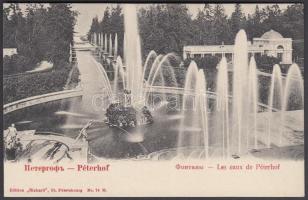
(87, 11)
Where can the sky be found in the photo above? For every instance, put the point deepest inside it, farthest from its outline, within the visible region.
(87, 11)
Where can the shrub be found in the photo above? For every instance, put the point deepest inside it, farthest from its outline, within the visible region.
(266, 62)
(17, 64)
(207, 62)
(28, 85)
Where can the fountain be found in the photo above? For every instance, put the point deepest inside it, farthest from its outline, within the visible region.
(110, 45)
(228, 121)
(239, 100)
(293, 95)
(222, 107)
(106, 49)
(132, 54)
(231, 128)
(275, 100)
(253, 96)
(115, 53)
(223, 123)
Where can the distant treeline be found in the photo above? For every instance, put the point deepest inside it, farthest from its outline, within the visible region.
(168, 27)
(39, 32)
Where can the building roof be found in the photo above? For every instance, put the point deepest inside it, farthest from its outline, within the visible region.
(209, 48)
(219, 48)
(271, 35)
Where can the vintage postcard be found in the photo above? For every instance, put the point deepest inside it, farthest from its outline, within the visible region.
(161, 100)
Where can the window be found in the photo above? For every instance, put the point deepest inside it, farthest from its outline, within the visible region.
(280, 52)
(280, 47)
(279, 56)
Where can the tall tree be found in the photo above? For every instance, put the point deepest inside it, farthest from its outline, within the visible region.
(60, 26)
(293, 27)
(273, 17)
(220, 27)
(8, 29)
(166, 28)
(106, 22)
(237, 20)
(254, 26)
(117, 26)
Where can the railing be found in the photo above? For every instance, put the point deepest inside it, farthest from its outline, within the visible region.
(34, 100)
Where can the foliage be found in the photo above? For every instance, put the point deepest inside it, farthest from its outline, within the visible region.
(120, 116)
(207, 62)
(165, 28)
(24, 86)
(42, 33)
(266, 62)
(16, 64)
(237, 20)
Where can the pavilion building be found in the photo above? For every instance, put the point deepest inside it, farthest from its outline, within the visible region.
(270, 43)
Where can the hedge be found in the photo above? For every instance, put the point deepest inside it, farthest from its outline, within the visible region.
(28, 85)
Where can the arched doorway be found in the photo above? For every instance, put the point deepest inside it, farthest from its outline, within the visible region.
(280, 52)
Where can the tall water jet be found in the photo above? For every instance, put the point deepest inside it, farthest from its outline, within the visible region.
(189, 126)
(294, 88)
(149, 78)
(154, 68)
(275, 101)
(115, 54)
(102, 40)
(105, 79)
(162, 75)
(106, 49)
(110, 45)
(201, 106)
(148, 64)
(222, 107)
(240, 82)
(94, 36)
(98, 39)
(121, 72)
(133, 53)
(164, 67)
(293, 93)
(116, 78)
(124, 45)
(253, 99)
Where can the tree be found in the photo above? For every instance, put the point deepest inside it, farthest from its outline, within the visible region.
(273, 17)
(237, 20)
(220, 28)
(166, 28)
(293, 27)
(117, 26)
(254, 27)
(105, 25)
(8, 29)
(60, 28)
(41, 33)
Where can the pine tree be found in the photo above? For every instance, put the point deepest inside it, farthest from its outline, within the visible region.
(237, 20)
